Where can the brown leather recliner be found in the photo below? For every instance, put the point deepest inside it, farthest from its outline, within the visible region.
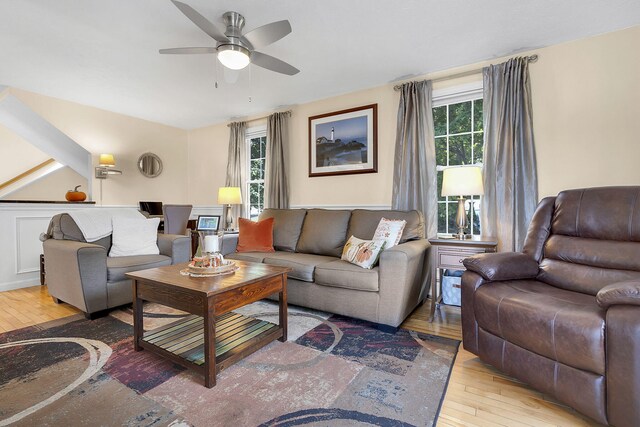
(563, 315)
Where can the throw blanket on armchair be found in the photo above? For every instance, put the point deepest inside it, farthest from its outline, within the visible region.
(96, 223)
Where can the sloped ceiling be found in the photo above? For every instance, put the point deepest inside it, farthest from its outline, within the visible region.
(105, 53)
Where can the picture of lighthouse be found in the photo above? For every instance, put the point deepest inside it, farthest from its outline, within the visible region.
(343, 142)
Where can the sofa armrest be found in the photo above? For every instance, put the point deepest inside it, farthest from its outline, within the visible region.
(403, 276)
(503, 266)
(176, 246)
(229, 243)
(620, 293)
(76, 273)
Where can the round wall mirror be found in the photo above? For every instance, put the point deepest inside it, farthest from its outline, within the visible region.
(150, 165)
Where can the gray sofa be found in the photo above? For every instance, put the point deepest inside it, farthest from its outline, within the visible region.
(310, 241)
(81, 273)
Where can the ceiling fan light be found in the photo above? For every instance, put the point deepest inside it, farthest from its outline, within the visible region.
(233, 57)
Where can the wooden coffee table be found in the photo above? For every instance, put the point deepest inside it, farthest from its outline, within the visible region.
(213, 337)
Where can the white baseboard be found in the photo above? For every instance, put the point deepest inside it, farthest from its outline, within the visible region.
(19, 284)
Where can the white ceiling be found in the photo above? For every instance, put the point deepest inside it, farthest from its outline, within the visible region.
(104, 53)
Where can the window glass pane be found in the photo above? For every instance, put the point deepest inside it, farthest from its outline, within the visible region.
(439, 179)
(460, 150)
(256, 170)
(442, 218)
(255, 148)
(476, 215)
(441, 151)
(460, 117)
(478, 144)
(477, 115)
(440, 120)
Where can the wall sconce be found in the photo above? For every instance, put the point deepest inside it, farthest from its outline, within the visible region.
(106, 166)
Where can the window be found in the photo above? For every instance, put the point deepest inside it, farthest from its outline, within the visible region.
(256, 149)
(459, 141)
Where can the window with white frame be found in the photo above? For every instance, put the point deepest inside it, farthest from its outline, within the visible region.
(458, 125)
(256, 139)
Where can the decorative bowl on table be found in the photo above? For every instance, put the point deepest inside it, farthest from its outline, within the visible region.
(202, 266)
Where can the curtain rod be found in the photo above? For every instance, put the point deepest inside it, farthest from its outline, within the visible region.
(532, 58)
(261, 118)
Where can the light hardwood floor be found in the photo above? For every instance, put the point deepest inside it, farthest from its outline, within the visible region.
(477, 395)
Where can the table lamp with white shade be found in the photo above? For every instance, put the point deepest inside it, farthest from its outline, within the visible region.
(460, 181)
(229, 196)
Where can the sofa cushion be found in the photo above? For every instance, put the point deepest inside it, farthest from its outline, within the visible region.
(118, 266)
(303, 265)
(561, 325)
(63, 227)
(363, 223)
(324, 232)
(255, 236)
(287, 225)
(363, 253)
(342, 274)
(249, 256)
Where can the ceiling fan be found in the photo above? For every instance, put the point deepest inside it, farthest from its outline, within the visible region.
(236, 50)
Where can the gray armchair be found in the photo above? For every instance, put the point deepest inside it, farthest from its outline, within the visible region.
(81, 273)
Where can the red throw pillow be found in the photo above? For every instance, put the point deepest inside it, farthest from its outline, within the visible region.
(255, 236)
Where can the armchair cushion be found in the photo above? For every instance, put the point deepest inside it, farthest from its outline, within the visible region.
(118, 266)
(503, 266)
(620, 293)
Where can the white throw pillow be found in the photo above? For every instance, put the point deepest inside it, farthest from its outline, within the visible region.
(134, 236)
(389, 230)
(363, 253)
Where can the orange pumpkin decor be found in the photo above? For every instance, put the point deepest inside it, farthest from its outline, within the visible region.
(75, 195)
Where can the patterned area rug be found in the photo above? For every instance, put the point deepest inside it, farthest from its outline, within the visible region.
(333, 371)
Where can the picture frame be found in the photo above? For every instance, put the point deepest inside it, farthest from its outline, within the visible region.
(208, 223)
(344, 142)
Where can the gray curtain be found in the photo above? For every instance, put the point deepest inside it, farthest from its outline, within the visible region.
(276, 182)
(414, 173)
(236, 165)
(509, 175)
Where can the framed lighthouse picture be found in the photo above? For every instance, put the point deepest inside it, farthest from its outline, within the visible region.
(344, 142)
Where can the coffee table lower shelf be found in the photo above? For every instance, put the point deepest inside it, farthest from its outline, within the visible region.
(236, 337)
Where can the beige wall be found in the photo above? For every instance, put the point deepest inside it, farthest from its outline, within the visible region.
(17, 155)
(586, 123)
(586, 107)
(51, 187)
(101, 131)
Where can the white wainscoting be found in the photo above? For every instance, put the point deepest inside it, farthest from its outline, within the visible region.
(20, 246)
(372, 207)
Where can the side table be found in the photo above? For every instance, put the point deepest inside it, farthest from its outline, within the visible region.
(449, 253)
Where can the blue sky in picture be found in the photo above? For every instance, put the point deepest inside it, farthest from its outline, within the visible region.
(346, 130)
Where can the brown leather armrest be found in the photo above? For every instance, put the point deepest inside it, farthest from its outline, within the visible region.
(620, 293)
(503, 266)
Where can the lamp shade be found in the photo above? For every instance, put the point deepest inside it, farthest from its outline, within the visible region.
(229, 196)
(107, 160)
(462, 181)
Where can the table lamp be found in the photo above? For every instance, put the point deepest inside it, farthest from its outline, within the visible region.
(459, 181)
(229, 196)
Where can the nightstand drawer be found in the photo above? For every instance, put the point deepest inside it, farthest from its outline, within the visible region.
(451, 261)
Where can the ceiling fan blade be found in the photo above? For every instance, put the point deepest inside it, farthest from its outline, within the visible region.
(188, 50)
(267, 34)
(273, 64)
(203, 23)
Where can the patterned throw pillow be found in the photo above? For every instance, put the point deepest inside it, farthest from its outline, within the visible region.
(389, 230)
(363, 253)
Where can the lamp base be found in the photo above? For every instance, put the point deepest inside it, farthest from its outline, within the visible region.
(461, 236)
